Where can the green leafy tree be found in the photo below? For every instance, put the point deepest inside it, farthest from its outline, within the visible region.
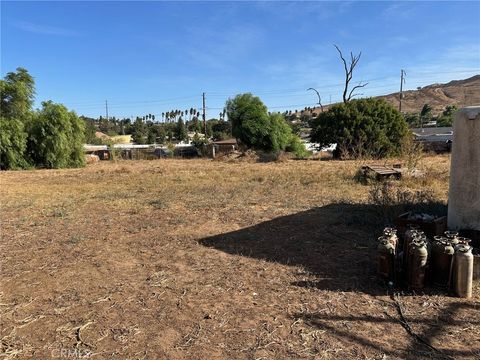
(254, 127)
(90, 130)
(140, 131)
(152, 135)
(426, 113)
(156, 133)
(297, 147)
(412, 119)
(199, 143)
(181, 131)
(250, 121)
(361, 128)
(17, 92)
(161, 134)
(279, 134)
(222, 130)
(296, 127)
(446, 119)
(194, 125)
(56, 137)
(13, 142)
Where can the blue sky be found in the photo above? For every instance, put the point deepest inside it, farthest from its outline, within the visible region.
(151, 57)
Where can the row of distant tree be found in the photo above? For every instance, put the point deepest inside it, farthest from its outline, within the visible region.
(52, 136)
(145, 130)
(425, 116)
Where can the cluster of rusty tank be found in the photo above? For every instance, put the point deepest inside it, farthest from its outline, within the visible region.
(444, 261)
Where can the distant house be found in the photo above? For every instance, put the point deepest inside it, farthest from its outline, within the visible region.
(438, 139)
(433, 131)
(222, 147)
(101, 135)
(101, 151)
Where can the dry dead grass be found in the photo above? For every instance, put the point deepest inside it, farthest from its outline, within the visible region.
(201, 259)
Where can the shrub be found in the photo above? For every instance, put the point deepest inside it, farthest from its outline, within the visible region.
(279, 133)
(392, 198)
(297, 147)
(199, 144)
(412, 151)
(361, 128)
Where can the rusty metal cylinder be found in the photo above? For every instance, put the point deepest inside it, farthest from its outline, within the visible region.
(463, 271)
(410, 234)
(441, 261)
(386, 259)
(417, 265)
(408, 237)
(464, 240)
(476, 267)
(391, 234)
(452, 236)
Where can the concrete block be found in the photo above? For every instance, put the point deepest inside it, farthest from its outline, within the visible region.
(464, 189)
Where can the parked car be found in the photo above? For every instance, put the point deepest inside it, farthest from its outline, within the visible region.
(162, 153)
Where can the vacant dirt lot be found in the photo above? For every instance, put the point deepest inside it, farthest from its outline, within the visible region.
(174, 259)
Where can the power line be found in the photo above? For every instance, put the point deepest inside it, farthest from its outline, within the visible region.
(132, 101)
(266, 94)
(336, 85)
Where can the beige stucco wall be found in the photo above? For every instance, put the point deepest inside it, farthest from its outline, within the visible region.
(464, 191)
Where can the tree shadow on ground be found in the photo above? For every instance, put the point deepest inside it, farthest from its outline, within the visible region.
(336, 243)
(416, 349)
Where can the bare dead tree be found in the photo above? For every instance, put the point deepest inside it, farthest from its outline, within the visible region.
(319, 98)
(354, 59)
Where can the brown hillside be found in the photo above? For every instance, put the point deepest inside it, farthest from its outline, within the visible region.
(457, 92)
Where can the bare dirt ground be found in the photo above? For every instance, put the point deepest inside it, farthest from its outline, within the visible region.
(195, 259)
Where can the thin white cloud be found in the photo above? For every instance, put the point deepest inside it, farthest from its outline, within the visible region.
(222, 49)
(399, 11)
(45, 29)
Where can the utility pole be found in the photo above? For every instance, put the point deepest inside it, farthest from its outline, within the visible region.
(204, 116)
(402, 81)
(106, 109)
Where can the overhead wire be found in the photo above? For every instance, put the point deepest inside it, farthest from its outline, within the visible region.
(266, 94)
